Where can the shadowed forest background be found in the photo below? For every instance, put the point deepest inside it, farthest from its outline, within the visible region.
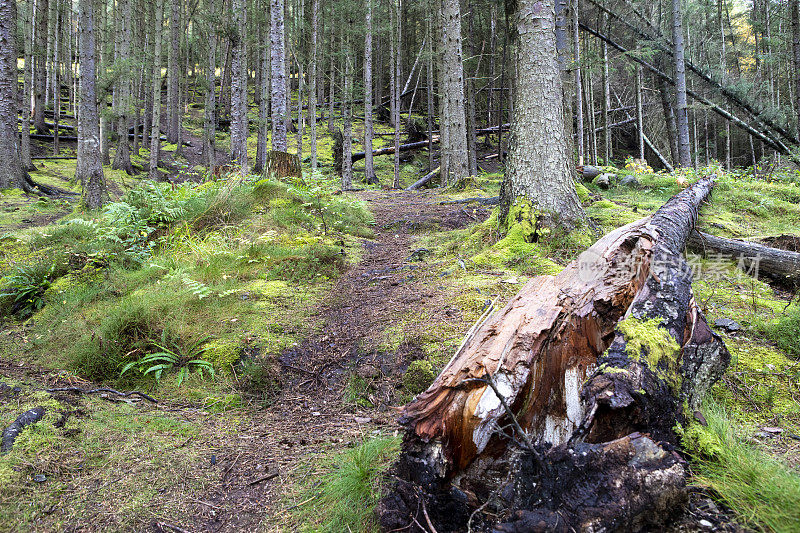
(277, 265)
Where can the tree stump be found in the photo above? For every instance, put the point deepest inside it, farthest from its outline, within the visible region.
(282, 165)
(557, 413)
(338, 150)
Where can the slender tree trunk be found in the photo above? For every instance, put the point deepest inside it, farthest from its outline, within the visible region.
(40, 65)
(155, 134)
(681, 111)
(347, 112)
(56, 76)
(27, 29)
(278, 56)
(239, 121)
(395, 89)
(332, 83)
(209, 115)
(263, 117)
(369, 169)
(796, 57)
(312, 89)
(639, 112)
(606, 95)
(469, 92)
(89, 169)
(122, 157)
(456, 166)
(429, 89)
(539, 165)
(173, 74)
(107, 50)
(576, 45)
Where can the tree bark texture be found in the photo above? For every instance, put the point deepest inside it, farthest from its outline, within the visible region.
(239, 120)
(681, 107)
(155, 133)
(40, 65)
(453, 119)
(369, 169)
(122, 89)
(210, 108)
(173, 74)
(589, 444)
(25, 142)
(278, 57)
(312, 82)
(11, 172)
(89, 169)
(539, 166)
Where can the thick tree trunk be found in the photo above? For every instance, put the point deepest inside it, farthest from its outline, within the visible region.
(539, 167)
(548, 401)
(278, 57)
(89, 169)
(11, 172)
(239, 120)
(122, 89)
(453, 120)
(263, 106)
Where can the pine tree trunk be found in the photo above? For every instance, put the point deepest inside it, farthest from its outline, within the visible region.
(369, 169)
(25, 143)
(796, 57)
(332, 82)
(456, 166)
(278, 57)
(539, 166)
(173, 74)
(395, 89)
(40, 65)
(681, 110)
(469, 92)
(347, 112)
(606, 95)
(89, 167)
(11, 172)
(239, 121)
(209, 115)
(263, 118)
(576, 46)
(122, 91)
(639, 113)
(430, 90)
(155, 134)
(312, 82)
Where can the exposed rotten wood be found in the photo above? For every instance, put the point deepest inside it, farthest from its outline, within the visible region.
(576, 380)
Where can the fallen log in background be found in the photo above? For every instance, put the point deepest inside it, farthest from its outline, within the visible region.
(776, 264)
(594, 394)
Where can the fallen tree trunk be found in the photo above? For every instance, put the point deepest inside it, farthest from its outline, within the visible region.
(557, 412)
(753, 258)
(357, 156)
(424, 179)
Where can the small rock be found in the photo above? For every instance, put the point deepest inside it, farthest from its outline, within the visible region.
(259, 467)
(603, 181)
(772, 430)
(40, 478)
(629, 180)
(419, 254)
(589, 172)
(511, 281)
(316, 413)
(727, 324)
(362, 420)
(706, 523)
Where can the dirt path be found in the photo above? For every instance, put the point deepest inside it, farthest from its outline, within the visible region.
(311, 417)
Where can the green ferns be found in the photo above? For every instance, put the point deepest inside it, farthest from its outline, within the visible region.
(170, 355)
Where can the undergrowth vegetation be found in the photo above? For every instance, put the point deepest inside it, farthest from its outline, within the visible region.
(171, 278)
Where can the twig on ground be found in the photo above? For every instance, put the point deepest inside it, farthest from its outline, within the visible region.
(111, 391)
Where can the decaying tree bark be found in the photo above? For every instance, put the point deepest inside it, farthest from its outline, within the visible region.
(281, 165)
(597, 365)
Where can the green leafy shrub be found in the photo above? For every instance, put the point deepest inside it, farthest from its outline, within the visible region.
(172, 354)
(23, 290)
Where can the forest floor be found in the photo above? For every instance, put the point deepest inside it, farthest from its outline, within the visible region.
(336, 355)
